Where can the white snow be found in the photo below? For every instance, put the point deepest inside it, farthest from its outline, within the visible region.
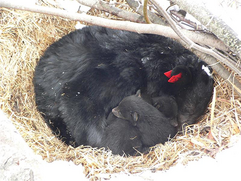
(79, 25)
(17, 159)
(224, 167)
(18, 162)
(23, 2)
(70, 6)
(206, 69)
(227, 10)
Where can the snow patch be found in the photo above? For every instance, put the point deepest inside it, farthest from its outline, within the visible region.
(79, 25)
(25, 2)
(72, 6)
(207, 70)
(223, 167)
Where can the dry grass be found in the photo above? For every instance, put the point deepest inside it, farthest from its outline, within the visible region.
(23, 38)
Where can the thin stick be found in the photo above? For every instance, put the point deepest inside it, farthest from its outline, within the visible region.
(145, 12)
(213, 107)
(190, 43)
(123, 25)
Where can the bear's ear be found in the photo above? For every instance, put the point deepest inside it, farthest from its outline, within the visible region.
(157, 105)
(117, 113)
(138, 93)
(174, 122)
(135, 116)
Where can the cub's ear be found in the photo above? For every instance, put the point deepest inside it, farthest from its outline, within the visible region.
(138, 93)
(157, 105)
(117, 113)
(135, 116)
(174, 122)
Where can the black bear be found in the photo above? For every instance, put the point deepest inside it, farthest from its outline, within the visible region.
(121, 137)
(84, 75)
(192, 89)
(167, 105)
(155, 125)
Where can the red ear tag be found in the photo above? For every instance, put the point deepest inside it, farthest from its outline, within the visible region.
(168, 74)
(175, 78)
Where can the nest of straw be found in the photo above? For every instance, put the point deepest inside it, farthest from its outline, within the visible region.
(25, 36)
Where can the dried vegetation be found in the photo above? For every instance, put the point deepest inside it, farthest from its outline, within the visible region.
(23, 38)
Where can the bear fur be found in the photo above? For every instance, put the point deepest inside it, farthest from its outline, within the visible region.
(84, 75)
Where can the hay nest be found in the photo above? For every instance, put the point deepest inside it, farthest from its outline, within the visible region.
(24, 37)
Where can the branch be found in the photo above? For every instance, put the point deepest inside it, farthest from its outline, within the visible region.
(100, 5)
(220, 70)
(200, 37)
(124, 25)
(129, 26)
(138, 8)
(145, 12)
(190, 43)
(214, 24)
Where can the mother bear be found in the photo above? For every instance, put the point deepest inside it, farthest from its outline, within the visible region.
(85, 74)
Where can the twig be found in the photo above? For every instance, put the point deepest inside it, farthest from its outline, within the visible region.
(138, 8)
(214, 23)
(100, 5)
(181, 21)
(129, 26)
(190, 43)
(200, 37)
(228, 58)
(219, 69)
(124, 25)
(213, 107)
(145, 12)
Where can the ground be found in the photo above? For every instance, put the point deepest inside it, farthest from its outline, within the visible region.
(18, 162)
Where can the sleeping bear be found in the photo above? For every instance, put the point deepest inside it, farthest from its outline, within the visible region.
(121, 137)
(84, 75)
(153, 123)
(135, 125)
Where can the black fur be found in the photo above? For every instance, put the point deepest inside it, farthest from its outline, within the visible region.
(121, 137)
(81, 77)
(167, 105)
(154, 126)
(193, 99)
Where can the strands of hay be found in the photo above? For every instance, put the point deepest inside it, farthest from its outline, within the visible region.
(23, 38)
